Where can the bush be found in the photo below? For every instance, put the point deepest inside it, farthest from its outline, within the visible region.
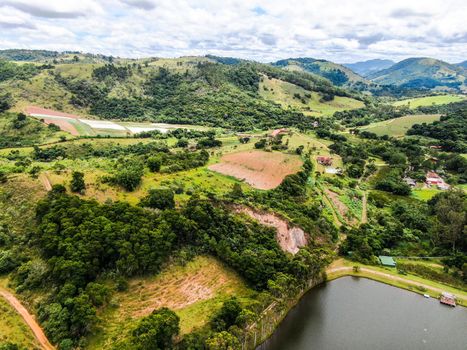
(128, 178)
(223, 341)
(77, 182)
(260, 144)
(160, 198)
(227, 316)
(154, 163)
(156, 331)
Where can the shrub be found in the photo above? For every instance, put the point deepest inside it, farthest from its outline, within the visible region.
(77, 182)
(160, 198)
(156, 331)
(154, 163)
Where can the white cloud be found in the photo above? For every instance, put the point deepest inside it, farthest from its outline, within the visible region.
(339, 30)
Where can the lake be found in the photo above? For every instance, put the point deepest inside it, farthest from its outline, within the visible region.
(358, 314)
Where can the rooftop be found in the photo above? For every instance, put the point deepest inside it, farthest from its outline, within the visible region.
(387, 260)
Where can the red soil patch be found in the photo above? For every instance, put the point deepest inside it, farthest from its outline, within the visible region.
(50, 112)
(64, 124)
(262, 170)
(290, 238)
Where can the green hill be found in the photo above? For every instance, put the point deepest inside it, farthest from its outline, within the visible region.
(309, 103)
(336, 73)
(425, 73)
(187, 90)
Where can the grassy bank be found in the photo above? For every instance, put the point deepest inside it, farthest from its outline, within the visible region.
(341, 268)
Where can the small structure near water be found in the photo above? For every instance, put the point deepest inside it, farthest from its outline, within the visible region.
(448, 299)
(387, 261)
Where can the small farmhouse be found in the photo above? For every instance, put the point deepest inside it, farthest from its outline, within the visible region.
(323, 160)
(278, 132)
(433, 179)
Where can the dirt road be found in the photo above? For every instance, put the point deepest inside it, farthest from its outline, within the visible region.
(28, 318)
(45, 182)
(364, 212)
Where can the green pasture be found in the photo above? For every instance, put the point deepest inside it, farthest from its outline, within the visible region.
(398, 127)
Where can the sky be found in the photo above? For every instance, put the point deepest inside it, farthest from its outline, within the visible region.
(342, 31)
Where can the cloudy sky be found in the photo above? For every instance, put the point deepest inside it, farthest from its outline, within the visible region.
(338, 30)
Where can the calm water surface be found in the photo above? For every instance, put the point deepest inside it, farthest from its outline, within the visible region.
(359, 314)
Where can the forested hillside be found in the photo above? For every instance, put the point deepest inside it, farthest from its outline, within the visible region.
(186, 91)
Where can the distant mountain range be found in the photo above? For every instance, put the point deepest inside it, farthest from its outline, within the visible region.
(371, 75)
(364, 68)
(423, 72)
(412, 73)
(338, 74)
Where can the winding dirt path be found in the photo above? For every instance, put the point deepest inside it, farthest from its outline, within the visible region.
(28, 318)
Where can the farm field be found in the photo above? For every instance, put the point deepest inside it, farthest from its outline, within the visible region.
(79, 126)
(31, 132)
(194, 291)
(283, 93)
(398, 127)
(429, 101)
(261, 170)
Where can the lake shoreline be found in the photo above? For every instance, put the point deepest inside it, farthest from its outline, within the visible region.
(333, 273)
(346, 313)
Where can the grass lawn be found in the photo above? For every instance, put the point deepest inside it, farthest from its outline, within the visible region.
(398, 127)
(194, 291)
(425, 194)
(429, 101)
(13, 329)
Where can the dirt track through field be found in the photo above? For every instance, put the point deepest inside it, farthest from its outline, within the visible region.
(45, 182)
(364, 209)
(28, 318)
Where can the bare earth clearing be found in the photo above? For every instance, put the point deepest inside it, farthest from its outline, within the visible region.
(289, 238)
(262, 170)
(49, 112)
(178, 288)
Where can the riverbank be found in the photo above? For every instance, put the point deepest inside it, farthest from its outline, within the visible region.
(342, 267)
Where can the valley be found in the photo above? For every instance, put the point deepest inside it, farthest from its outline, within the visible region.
(193, 201)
